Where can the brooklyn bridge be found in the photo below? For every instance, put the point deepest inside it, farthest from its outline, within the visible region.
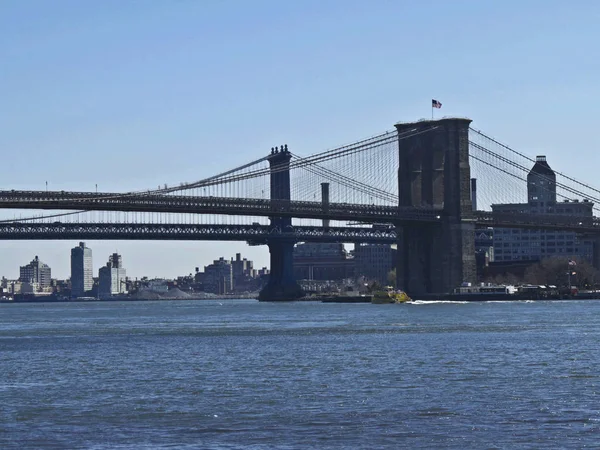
(413, 186)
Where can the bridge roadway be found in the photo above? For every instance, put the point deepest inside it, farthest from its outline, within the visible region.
(254, 234)
(139, 202)
(152, 202)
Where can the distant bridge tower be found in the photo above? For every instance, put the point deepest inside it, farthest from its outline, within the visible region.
(282, 284)
(434, 172)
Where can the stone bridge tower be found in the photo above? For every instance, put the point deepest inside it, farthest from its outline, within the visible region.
(434, 172)
(282, 284)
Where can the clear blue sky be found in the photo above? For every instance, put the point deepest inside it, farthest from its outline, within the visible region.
(130, 94)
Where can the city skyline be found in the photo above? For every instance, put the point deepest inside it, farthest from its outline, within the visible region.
(128, 97)
(100, 260)
(180, 257)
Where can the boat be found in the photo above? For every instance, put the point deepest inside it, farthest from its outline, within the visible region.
(484, 292)
(389, 295)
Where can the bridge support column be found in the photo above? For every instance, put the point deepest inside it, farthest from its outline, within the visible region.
(325, 202)
(434, 172)
(282, 285)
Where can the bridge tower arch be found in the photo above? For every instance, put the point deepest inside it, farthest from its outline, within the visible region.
(282, 284)
(434, 172)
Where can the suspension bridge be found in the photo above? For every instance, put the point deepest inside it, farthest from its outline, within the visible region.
(410, 186)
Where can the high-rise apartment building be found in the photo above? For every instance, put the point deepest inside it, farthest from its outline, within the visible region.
(82, 279)
(112, 277)
(241, 270)
(36, 272)
(218, 277)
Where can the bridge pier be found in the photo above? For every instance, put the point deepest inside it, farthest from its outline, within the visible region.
(434, 172)
(282, 285)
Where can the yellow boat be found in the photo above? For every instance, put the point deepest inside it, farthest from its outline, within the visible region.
(390, 296)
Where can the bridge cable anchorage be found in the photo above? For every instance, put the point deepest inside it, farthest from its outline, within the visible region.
(533, 161)
(527, 170)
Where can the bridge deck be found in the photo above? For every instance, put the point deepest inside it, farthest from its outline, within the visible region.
(140, 202)
(90, 201)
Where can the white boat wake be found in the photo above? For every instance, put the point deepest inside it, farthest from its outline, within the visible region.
(431, 302)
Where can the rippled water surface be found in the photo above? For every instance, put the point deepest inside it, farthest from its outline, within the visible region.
(243, 374)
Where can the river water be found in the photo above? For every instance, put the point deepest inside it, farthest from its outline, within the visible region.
(242, 374)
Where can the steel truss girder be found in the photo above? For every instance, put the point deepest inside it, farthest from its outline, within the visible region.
(257, 234)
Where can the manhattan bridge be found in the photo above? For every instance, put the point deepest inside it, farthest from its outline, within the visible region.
(410, 186)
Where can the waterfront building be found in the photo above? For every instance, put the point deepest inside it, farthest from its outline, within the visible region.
(82, 280)
(374, 261)
(534, 245)
(112, 277)
(30, 287)
(322, 261)
(218, 277)
(36, 273)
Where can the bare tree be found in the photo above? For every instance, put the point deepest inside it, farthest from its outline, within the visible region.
(558, 272)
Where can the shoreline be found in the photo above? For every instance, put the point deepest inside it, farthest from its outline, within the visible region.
(129, 299)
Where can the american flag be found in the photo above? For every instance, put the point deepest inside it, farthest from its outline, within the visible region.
(572, 263)
(435, 104)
